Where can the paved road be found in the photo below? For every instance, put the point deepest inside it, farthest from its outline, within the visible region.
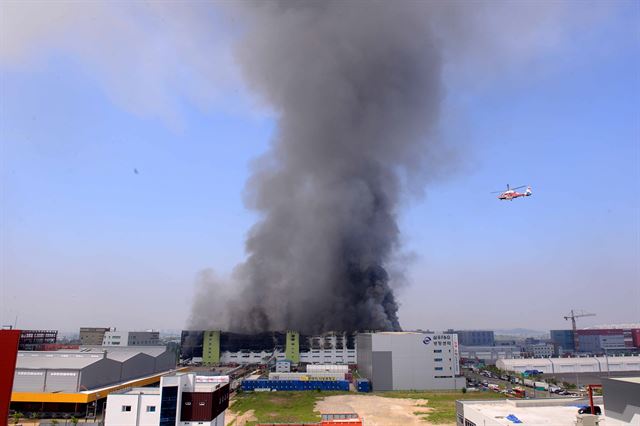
(508, 385)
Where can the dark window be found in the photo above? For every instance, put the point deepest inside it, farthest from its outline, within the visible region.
(151, 408)
(168, 406)
(126, 408)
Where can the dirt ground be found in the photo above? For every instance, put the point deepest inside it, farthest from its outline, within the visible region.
(376, 410)
(240, 420)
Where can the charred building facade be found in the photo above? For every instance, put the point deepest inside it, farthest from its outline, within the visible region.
(213, 347)
(36, 340)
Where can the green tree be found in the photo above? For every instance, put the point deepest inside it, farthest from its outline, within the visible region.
(16, 417)
(54, 421)
(74, 420)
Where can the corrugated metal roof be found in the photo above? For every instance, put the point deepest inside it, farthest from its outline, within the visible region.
(149, 350)
(52, 363)
(125, 355)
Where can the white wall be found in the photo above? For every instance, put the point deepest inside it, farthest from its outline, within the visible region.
(115, 338)
(138, 416)
(572, 365)
(218, 421)
(414, 355)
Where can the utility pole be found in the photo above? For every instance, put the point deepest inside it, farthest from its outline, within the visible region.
(572, 317)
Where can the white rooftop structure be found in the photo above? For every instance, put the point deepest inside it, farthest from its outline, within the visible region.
(539, 412)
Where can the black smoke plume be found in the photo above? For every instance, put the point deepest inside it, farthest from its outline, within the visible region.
(356, 88)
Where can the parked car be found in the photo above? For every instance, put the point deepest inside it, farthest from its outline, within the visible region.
(587, 410)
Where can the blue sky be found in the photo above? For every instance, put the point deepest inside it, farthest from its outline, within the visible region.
(88, 241)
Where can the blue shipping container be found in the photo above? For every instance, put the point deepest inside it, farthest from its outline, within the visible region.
(295, 385)
(363, 385)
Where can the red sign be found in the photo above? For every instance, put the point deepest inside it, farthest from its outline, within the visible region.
(9, 343)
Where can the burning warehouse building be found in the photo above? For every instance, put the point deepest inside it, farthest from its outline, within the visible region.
(213, 347)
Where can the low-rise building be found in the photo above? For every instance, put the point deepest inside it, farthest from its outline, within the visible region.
(539, 350)
(73, 381)
(489, 354)
(92, 336)
(84, 369)
(182, 399)
(131, 338)
(538, 412)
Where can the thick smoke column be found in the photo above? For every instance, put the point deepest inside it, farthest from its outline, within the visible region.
(356, 88)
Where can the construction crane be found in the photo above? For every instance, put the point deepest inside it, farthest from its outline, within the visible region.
(573, 317)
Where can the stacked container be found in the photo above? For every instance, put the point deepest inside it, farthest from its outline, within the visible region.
(363, 385)
(294, 385)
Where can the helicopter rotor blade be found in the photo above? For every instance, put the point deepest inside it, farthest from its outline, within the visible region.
(523, 186)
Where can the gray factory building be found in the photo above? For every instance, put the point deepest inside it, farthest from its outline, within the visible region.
(56, 374)
(410, 360)
(84, 369)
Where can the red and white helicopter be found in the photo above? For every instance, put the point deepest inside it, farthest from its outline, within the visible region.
(511, 193)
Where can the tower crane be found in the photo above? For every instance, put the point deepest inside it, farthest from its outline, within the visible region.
(573, 317)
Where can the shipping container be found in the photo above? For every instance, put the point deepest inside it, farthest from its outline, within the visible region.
(294, 385)
(307, 376)
(333, 368)
(363, 385)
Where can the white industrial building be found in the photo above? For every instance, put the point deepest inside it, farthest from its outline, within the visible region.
(131, 338)
(600, 364)
(87, 368)
(410, 360)
(182, 399)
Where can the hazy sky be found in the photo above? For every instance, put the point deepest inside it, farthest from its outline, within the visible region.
(127, 137)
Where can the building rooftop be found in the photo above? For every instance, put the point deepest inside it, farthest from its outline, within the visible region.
(552, 411)
(40, 362)
(125, 355)
(149, 350)
(627, 379)
(138, 391)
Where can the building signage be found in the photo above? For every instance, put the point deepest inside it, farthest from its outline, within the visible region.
(426, 340)
(439, 340)
(456, 355)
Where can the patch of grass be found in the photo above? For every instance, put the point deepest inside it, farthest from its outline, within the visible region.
(280, 407)
(442, 403)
